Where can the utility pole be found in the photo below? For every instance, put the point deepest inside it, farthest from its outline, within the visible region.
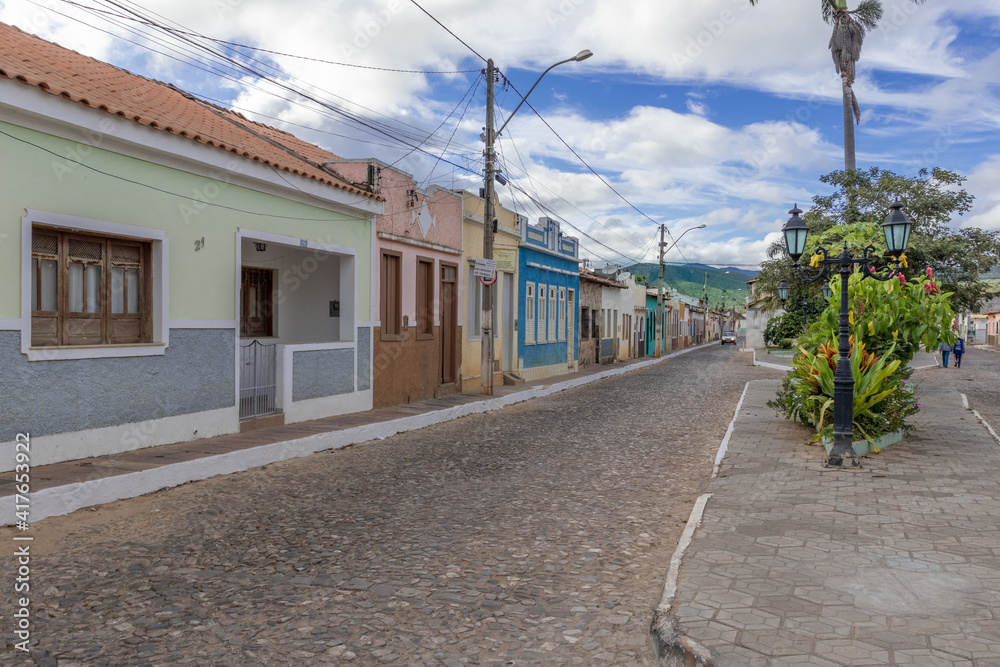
(723, 308)
(661, 342)
(705, 312)
(486, 370)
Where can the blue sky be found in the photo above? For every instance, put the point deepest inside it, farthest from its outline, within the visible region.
(694, 112)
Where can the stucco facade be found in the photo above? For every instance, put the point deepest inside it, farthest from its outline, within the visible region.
(420, 234)
(588, 352)
(505, 293)
(197, 216)
(549, 284)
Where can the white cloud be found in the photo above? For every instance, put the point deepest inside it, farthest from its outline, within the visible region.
(983, 180)
(701, 165)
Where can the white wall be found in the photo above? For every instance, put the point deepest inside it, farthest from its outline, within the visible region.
(305, 282)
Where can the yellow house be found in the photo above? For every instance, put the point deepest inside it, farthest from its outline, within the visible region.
(505, 245)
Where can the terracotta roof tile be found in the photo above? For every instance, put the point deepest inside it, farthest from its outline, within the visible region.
(59, 71)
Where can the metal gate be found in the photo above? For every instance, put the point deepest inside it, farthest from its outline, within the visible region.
(257, 384)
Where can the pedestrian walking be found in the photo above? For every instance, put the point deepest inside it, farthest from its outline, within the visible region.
(945, 349)
(958, 349)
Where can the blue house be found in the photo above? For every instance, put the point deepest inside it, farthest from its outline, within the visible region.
(650, 323)
(549, 280)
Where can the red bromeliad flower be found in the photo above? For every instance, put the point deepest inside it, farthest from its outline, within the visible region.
(931, 288)
(902, 279)
(930, 272)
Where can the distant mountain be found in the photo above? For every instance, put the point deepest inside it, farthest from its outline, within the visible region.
(726, 285)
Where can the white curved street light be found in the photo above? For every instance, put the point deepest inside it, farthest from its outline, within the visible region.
(659, 289)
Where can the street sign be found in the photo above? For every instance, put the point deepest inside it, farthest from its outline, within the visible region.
(484, 268)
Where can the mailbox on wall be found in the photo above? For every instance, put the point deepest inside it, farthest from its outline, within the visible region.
(335, 308)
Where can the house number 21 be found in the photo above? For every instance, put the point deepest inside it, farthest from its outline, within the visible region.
(199, 244)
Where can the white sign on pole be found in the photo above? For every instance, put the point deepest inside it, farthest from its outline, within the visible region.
(484, 268)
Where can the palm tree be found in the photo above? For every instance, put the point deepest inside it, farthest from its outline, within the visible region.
(849, 28)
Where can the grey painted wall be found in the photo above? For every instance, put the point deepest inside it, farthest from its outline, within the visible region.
(319, 373)
(364, 357)
(47, 397)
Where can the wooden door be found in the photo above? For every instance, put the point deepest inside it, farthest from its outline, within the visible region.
(449, 322)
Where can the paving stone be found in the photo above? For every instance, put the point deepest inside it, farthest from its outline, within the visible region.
(894, 564)
(536, 535)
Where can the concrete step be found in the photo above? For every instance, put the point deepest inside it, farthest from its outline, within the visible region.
(512, 379)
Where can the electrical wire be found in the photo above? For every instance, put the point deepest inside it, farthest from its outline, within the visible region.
(278, 53)
(367, 126)
(448, 30)
(157, 189)
(470, 93)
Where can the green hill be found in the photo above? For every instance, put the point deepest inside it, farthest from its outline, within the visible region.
(689, 279)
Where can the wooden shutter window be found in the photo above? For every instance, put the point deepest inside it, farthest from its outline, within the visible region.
(425, 298)
(391, 296)
(45, 318)
(74, 279)
(126, 294)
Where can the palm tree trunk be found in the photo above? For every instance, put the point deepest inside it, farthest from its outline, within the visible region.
(849, 163)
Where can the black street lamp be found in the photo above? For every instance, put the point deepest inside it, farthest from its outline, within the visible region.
(897, 233)
(783, 297)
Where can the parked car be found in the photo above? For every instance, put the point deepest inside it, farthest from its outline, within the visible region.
(729, 337)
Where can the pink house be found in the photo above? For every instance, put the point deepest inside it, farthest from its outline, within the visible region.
(418, 284)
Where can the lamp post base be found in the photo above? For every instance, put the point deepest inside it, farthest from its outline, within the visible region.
(842, 454)
(845, 462)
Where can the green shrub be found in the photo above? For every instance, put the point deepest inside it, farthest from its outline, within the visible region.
(787, 325)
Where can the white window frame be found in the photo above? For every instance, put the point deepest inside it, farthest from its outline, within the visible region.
(553, 313)
(543, 310)
(529, 314)
(159, 286)
(561, 315)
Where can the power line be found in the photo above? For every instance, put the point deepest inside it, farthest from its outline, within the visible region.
(372, 127)
(470, 93)
(276, 53)
(448, 30)
(157, 189)
(367, 126)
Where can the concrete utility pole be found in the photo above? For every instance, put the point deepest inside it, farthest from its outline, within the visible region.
(486, 366)
(723, 310)
(661, 339)
(705, 312)
(489, 216)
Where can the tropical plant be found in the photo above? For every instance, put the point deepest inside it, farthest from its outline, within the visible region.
(888, 321)
(882, 396)
(891, 318)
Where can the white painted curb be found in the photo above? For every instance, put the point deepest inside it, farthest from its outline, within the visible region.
(670, 585)
(766, 364)
(965, 404)
(724, 446)
(65, 499)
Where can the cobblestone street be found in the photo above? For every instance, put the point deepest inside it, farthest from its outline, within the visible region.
(540, 534)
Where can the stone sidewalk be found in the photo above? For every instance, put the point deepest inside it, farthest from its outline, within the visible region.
(792, 564)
